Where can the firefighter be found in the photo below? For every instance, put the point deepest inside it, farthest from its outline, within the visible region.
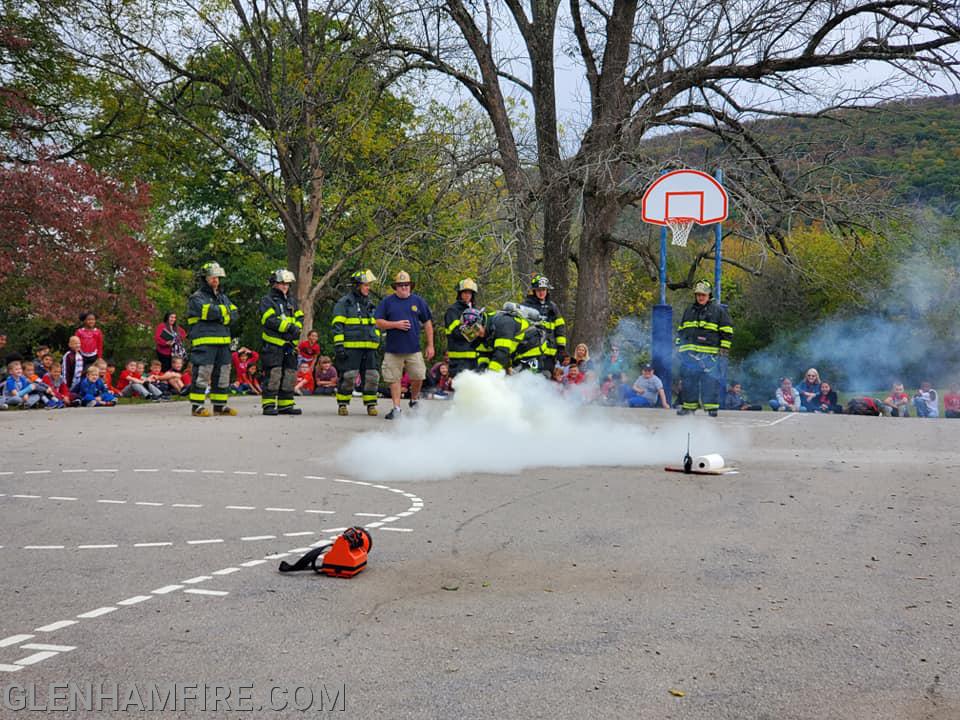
(703, 340)
(210, 315)
(282, 324)
(462, 354)
(552, 321)
(355, 341)
(509, 339)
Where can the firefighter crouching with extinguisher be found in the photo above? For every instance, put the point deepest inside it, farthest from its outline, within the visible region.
(703, 341)
(509, 339)
(355, 341)
(462, 353)
(209, 316)
(282, 323)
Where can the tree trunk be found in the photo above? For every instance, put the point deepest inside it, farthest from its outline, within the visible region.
(596, 255)
(301, 254)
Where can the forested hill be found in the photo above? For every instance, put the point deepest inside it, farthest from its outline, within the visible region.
(911, 147)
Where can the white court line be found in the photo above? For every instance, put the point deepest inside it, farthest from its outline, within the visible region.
(113, 502)
(239, 507)
(48, 648)
(780, 420)
(35, 472)
(321, 512)
(333, 530)
(377, 515)
(97, 613)
(280, 509)
(243, 472)
(6, 472)
(10, 668)
(299, 534)
(56, 626)
(226, 571)
(149, 504)
(35, 658)
(198, 579)
(60, 497)
(275, 474)
(200, 591)
(15, 640)
(204, 542)
(213, 472)
(252, 563)
(145, 470)
(106, 470)
(299, 550)
(134, 600)
(275, 556)
(94, 547)
(408, 513)
(43, 547)
(166, 589)
(392, 518)
(259, 537)
(74, 471)
(314, 477)
(153, 544)
(183, 470)
(28, 497)
(186, 505)
(394, 529)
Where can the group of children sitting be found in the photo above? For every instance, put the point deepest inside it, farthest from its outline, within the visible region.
(316, 374)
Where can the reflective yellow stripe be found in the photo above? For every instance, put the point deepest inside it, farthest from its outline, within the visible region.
(462, 355)
(700, 324)
(192, 320)
(711, 406)
(298, 314)
(219, 398)
(369, 399)
(453, 326)
(549, 351)
(562, 341)
(268, 401)
(343, 398)
(273, 340)
(232, 306)
(285, 403)
(560, 321)
(495, 366)
(211, 341)
(197, 397)
(338, 338)
(353, 321)
(507, 343)
(285, 324)
(204, 310)
(361, 344)
(533, 352)
(268, 313)
(548, 324)
(224, 314)
(725, 344)
(706, 349)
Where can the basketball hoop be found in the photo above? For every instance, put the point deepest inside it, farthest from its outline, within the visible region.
(680, 228)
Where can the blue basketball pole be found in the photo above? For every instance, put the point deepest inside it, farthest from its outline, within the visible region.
(718, 247)
(661, 353)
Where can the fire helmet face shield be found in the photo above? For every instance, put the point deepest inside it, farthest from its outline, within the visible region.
(211, 269)
(282, 276)
(467, 284)
(471, 323)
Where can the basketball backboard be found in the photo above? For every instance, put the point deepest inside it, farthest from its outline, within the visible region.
(685, 194)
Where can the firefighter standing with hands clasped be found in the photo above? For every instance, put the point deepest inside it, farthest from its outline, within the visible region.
(703, 341)
(282, 323)
(356, 339)
(209, 316)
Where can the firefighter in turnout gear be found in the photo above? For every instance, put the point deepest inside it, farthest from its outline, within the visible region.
(461, 352)
(355, 341)
(509, 339)
(209, 316)
(282, 323)
(552, 321)
(703, 340)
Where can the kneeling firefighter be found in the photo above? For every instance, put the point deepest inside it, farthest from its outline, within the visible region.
(282, 324)
(511, 338)
(210, 315)
(355, 341)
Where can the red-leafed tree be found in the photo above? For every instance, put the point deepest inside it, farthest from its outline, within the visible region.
(70, 237)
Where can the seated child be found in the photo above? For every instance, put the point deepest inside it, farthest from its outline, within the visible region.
(787, 399)
(186, 377)
(951, 402)
(925, 401)
(899, 399)
(54, 380)
(735, 399)
(162, 379)
(557, 374)
(574, 375)
(50, 400)
(176, 376)
(17, 390)
(304, 384)
(132, 382)
(826, 401)
(93, 391)
(243, 360)
(444, 384)
(325, 377)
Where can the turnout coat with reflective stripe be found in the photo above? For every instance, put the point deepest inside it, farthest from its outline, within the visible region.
(209, 316)
(704, 329)
(552, 322)
(280, 319)
(353, 324)
(458, 347)
(510, 338)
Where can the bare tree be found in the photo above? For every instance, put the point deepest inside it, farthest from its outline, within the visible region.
(664, 64)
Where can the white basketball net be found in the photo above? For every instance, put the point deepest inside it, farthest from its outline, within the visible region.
(680, 230)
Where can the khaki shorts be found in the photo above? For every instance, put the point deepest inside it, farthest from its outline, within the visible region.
(394, 363)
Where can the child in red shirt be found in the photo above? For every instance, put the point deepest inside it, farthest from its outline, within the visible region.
(131, 383)
(304, 384)
(54, 380)
(951, 402)
(91, 339)
(899, 399)
(309, 349)
(243, 360)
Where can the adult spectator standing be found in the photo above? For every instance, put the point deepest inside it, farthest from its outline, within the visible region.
(170, 340)
(210, 315)
(703, 340)
(402, 315)
(461, 354)
(356, 338)
(282, 323)
(551, 320)
(91, 339)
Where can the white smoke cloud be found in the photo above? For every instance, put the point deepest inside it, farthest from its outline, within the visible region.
(499, 424)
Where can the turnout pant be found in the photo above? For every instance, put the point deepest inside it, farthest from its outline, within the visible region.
(279, 376)
(702, 380)
(211, 370)
(363, 363)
